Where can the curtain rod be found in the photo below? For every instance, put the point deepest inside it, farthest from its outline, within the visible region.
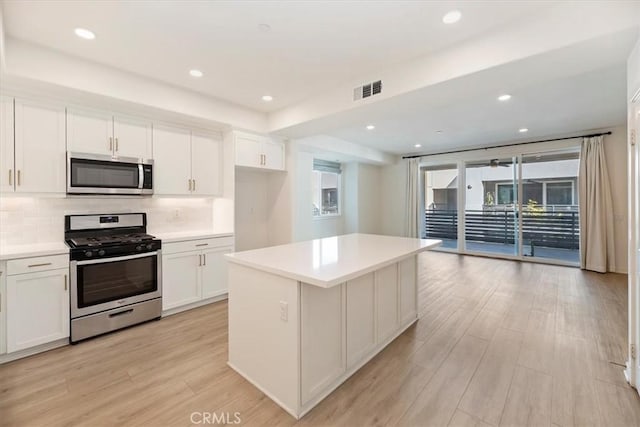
(507, 145)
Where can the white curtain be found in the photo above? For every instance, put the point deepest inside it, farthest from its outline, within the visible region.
(597, 251)
(412, 212)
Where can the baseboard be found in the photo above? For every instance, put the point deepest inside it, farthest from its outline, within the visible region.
(10, 357)
(193, 305)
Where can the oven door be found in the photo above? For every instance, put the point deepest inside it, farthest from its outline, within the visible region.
(102, 284)
(99, 174)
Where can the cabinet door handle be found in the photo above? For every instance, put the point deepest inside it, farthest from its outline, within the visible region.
(116, 144)
(65, 282)
(18, 176)
(205, 259)
(10, 176)
(39, 265)
(110, 143)
(199, 260)
(189, 185)
(194, 185)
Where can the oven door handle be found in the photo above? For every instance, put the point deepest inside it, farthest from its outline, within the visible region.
(120, 258)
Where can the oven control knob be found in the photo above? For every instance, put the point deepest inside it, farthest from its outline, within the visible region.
(88, 254)
(138, 248)
(149, 246)
(101, 252)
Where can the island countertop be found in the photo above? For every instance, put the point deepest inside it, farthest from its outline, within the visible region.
(333, 260)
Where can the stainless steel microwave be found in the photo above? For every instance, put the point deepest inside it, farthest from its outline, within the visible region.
(103, 174)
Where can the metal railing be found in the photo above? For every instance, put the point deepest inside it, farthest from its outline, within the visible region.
(539, 228)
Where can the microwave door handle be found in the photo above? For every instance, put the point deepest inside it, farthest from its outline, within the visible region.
(140, 176)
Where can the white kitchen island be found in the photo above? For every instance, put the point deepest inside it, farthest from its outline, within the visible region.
(303, 317)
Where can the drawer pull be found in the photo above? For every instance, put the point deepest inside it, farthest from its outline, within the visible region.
(202, 244)
(39, 265)
(121, 313)
(65, 282)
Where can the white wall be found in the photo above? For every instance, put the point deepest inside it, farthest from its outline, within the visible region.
(362, 198)
(41, 220)
(252, 209)
(262, 209)
(393, 184)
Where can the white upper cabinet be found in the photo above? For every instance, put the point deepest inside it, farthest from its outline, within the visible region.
(259, 152)
(90, 132)
(39, 148)
(101, 133)
(248, 151)
(273, 152)
(131, 138)
(172, 162)
(206, 165)
(32, 147)
(7, 172)
(186, 163)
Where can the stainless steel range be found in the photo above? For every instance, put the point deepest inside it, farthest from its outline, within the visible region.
(115, 272)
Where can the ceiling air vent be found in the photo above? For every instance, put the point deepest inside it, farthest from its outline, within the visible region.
(367, 90)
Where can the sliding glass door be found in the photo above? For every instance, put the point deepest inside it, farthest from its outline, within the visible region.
(550, 215)
(491, 206)
(522, 206)
(441, 204)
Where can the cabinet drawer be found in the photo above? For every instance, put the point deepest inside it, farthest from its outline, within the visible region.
(196, 245)
(31, 265)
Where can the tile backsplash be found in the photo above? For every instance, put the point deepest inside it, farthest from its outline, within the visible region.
(41, 220)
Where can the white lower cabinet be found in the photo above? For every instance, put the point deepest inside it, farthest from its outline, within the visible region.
(37, 307)
(361, 316)
(180, 279)
(344, 326)
(193, 271)
(407, 290)
(387, 302)
(323, 320)
(214, 272)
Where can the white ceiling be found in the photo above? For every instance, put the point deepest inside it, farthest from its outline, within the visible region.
(559, 92)
(312, 45)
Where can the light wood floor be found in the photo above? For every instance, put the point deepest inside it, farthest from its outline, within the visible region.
(497, 343)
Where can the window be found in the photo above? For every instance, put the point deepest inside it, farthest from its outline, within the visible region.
(506, 194)
(560, 193)
(326, 188)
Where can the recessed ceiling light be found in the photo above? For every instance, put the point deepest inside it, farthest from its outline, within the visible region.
(452, 17)
(267, 98)
(439, 131)
(84, 33)
(265, 28)
(504, 97)
(523, 130)
(370, 127)
(196, 73)
(418, 145)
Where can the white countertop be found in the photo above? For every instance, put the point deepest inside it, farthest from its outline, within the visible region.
(333, 260)
(181, 236)
(32, 250)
